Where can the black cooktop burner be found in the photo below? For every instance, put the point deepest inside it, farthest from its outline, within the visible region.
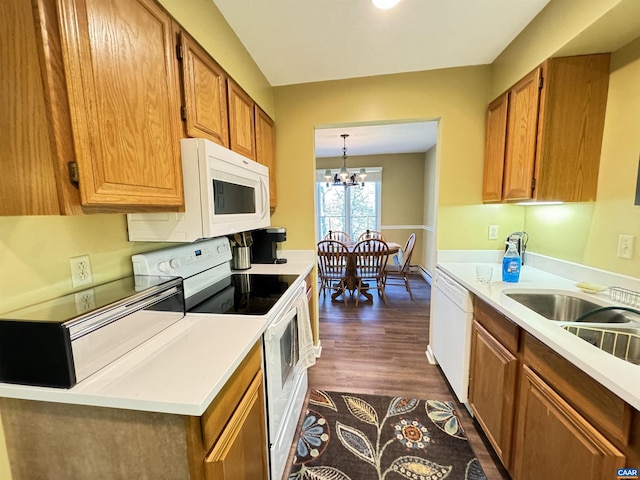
(241, 294)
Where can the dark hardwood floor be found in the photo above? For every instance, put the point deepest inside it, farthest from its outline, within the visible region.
(380, 349)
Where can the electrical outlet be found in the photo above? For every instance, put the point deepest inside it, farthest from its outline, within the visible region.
(625, 246)
(493, 232)
(85, 301)
(80, 271)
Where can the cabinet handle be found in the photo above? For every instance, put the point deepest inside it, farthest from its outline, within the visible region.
(74, 175)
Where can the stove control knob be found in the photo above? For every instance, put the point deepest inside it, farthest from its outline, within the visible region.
(174, 262)
(164, 266)
(222, 248)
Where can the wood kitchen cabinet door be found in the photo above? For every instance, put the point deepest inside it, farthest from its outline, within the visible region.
(495, 149)
(554, 441)
(122, 80)
(34, 179)
(242, 133)
(266, 150)
(492, 389)
(205, 93)
(520, 155)
(240, 451)
(553, 135)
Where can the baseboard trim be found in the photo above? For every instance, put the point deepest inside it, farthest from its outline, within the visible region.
(430, 356)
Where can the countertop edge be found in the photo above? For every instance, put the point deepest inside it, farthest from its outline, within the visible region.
(611, 372)
(142, 379)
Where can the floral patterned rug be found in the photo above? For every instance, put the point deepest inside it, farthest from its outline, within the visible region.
(366, 437)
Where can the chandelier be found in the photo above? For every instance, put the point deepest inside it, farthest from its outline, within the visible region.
(345, 178)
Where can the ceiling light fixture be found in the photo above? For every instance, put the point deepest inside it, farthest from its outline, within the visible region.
(385, 4)
(345, 178)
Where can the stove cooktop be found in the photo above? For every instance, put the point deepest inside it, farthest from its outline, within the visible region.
(241, 294)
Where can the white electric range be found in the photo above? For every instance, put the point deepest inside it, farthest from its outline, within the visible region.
(212, 289)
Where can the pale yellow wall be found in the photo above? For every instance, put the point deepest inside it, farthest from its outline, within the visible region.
(554, 27)
(614, 211)
(457, 97)
(589, 233)
(203, 20)
(402, 193)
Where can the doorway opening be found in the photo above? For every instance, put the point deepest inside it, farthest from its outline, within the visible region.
(400, 193)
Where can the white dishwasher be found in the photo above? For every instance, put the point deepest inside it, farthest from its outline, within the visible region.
(451, 318)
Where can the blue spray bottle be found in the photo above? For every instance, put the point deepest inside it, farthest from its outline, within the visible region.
(511, 264)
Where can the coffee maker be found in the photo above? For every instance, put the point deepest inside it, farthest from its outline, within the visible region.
(264, 245)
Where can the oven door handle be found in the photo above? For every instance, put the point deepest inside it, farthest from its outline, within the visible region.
(286, 317)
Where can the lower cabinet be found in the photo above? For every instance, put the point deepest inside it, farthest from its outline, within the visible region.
(492, 389)
(555, 441)
(236, 455)
(544, 417)
(79, 442)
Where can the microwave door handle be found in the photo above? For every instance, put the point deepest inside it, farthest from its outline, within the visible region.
(265, 191)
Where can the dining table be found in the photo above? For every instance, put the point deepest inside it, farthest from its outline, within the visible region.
(351, 282)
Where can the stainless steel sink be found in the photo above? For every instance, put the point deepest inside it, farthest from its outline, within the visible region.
(566, 308)
(622, 342)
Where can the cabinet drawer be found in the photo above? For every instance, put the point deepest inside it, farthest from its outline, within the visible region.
(608, 412)
(219, 412)
(503, 329)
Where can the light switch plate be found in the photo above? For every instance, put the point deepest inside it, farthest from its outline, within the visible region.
(625, 246)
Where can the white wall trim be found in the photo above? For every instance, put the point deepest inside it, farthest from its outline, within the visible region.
(408, 227)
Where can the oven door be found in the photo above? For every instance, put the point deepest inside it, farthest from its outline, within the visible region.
(281, 354)
(237, 193)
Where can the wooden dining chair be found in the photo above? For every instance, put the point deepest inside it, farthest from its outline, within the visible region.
(371, 257)
(401, 272)
(371, 234)
(333, 257)
(343, 237)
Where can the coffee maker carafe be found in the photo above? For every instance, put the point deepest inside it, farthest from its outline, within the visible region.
(264, 249)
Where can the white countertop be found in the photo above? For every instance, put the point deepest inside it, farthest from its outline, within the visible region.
(178, 371)
(619, 376)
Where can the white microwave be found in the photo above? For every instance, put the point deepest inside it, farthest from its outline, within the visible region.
(224, 193)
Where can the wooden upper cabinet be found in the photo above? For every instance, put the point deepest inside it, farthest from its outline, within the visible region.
(494, 149)
(122, 81)
(266, 150)
(520, 154)
(573, 107)
(34, 179)
(94, 87)
(554, 126)
(242, 134)
(205, 93)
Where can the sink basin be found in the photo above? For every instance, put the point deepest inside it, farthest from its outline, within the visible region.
(624, 343)
(566, 308)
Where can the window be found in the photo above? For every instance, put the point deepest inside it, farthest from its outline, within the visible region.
(349, 209)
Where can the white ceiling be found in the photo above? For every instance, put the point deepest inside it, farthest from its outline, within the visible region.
(376, 139)
(300, 41)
